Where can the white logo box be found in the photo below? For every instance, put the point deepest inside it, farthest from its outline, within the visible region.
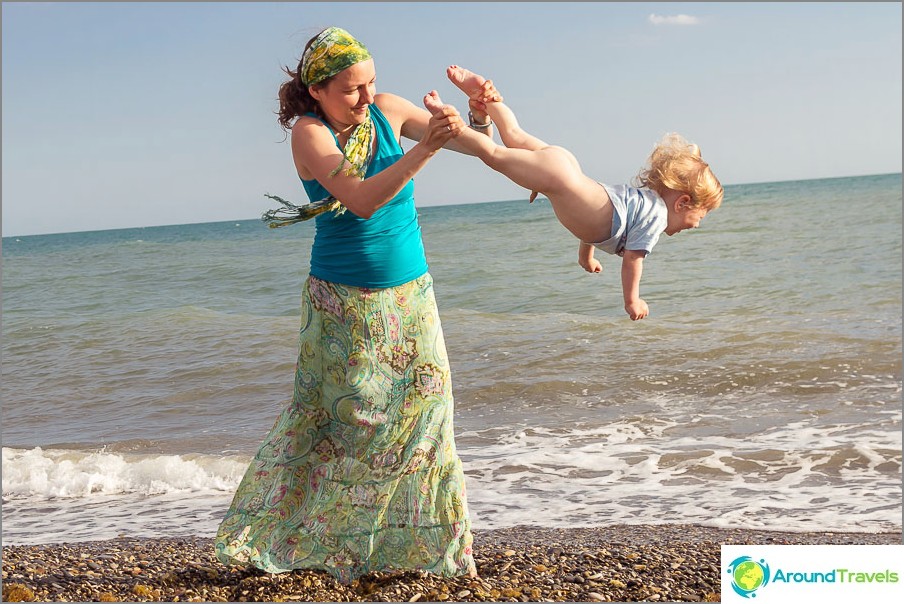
(775, 574)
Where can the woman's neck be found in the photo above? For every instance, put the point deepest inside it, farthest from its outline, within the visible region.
(339, 130)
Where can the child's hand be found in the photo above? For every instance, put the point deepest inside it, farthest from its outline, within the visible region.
(637, 309)
(586, 259)
(591, 265)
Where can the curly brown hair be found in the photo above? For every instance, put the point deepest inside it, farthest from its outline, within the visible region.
(294, 98)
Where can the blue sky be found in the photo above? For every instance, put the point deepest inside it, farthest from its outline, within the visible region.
(140, 114)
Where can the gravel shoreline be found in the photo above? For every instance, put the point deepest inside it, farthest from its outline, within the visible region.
(669, 563)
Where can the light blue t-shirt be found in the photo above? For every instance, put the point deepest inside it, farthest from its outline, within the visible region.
(384, 250)
(640, 216)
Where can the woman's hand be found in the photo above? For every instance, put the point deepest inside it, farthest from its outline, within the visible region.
(487, 93)
(477, 102)
(444, 125)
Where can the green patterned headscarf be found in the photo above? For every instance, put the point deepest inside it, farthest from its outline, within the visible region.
(333, 50)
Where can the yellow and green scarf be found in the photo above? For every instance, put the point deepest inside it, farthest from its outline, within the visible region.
(331, 51)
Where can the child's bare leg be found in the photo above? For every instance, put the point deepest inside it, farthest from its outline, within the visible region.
(476, 86)
(581, 204)
(538, 170)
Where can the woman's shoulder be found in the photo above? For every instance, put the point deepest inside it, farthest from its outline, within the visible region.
(307, 120)
(388, 99)
(392, 105)
(309, 125)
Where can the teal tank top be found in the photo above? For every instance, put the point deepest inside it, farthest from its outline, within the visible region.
(383, 251)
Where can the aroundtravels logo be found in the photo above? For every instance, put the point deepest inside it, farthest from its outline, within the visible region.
(748, 575)
(812, 573)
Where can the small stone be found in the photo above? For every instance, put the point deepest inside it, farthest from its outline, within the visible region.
(595, 597)
(16, 592)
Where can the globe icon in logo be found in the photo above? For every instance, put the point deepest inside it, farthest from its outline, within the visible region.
(748, 575)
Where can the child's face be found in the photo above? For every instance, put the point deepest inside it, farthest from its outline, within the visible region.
(683, 217)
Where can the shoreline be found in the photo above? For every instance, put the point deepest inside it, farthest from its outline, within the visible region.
(519, 564)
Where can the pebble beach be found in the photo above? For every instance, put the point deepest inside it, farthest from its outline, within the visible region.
(667, 563)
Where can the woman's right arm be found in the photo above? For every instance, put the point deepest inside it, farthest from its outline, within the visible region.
(316, 155)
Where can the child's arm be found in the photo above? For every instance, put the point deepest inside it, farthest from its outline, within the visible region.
(587, 260)
(632, 267)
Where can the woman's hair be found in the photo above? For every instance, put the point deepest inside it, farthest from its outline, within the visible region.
(294, 98)
(676, 164)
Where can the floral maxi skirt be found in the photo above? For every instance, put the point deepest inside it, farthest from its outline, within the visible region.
(359, 473)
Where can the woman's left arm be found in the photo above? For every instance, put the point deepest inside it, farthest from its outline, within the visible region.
(409, 120)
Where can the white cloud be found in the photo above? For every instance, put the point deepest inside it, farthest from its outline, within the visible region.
(673, 20)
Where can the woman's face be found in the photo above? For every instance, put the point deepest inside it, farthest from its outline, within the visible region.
(344, 99)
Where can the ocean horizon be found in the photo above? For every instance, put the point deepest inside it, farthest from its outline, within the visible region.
(268, 204)
(142, 367)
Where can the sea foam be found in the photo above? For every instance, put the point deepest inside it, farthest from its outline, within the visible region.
(58, 473)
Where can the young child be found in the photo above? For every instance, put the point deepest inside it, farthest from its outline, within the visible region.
(676, 189)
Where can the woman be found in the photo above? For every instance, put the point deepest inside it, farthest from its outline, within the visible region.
(360, 472)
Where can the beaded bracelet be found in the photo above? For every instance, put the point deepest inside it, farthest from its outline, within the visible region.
(477, 126)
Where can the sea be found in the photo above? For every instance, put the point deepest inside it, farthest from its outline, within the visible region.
(142, 367)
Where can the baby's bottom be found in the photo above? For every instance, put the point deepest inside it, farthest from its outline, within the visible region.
(581, 204)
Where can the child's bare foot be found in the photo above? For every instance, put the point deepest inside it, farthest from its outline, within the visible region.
(466, 81)
(475, 86)
(433, 103)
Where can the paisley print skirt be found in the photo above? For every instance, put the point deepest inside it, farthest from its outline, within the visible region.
(359, 473)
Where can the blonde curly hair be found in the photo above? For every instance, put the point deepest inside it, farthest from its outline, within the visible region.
(676, 164)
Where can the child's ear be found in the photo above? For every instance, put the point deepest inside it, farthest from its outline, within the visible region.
(683, 202)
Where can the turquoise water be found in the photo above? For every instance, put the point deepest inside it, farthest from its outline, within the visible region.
(141, 367)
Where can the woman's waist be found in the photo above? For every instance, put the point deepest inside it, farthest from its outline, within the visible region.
(388, 257)
(400, 243)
